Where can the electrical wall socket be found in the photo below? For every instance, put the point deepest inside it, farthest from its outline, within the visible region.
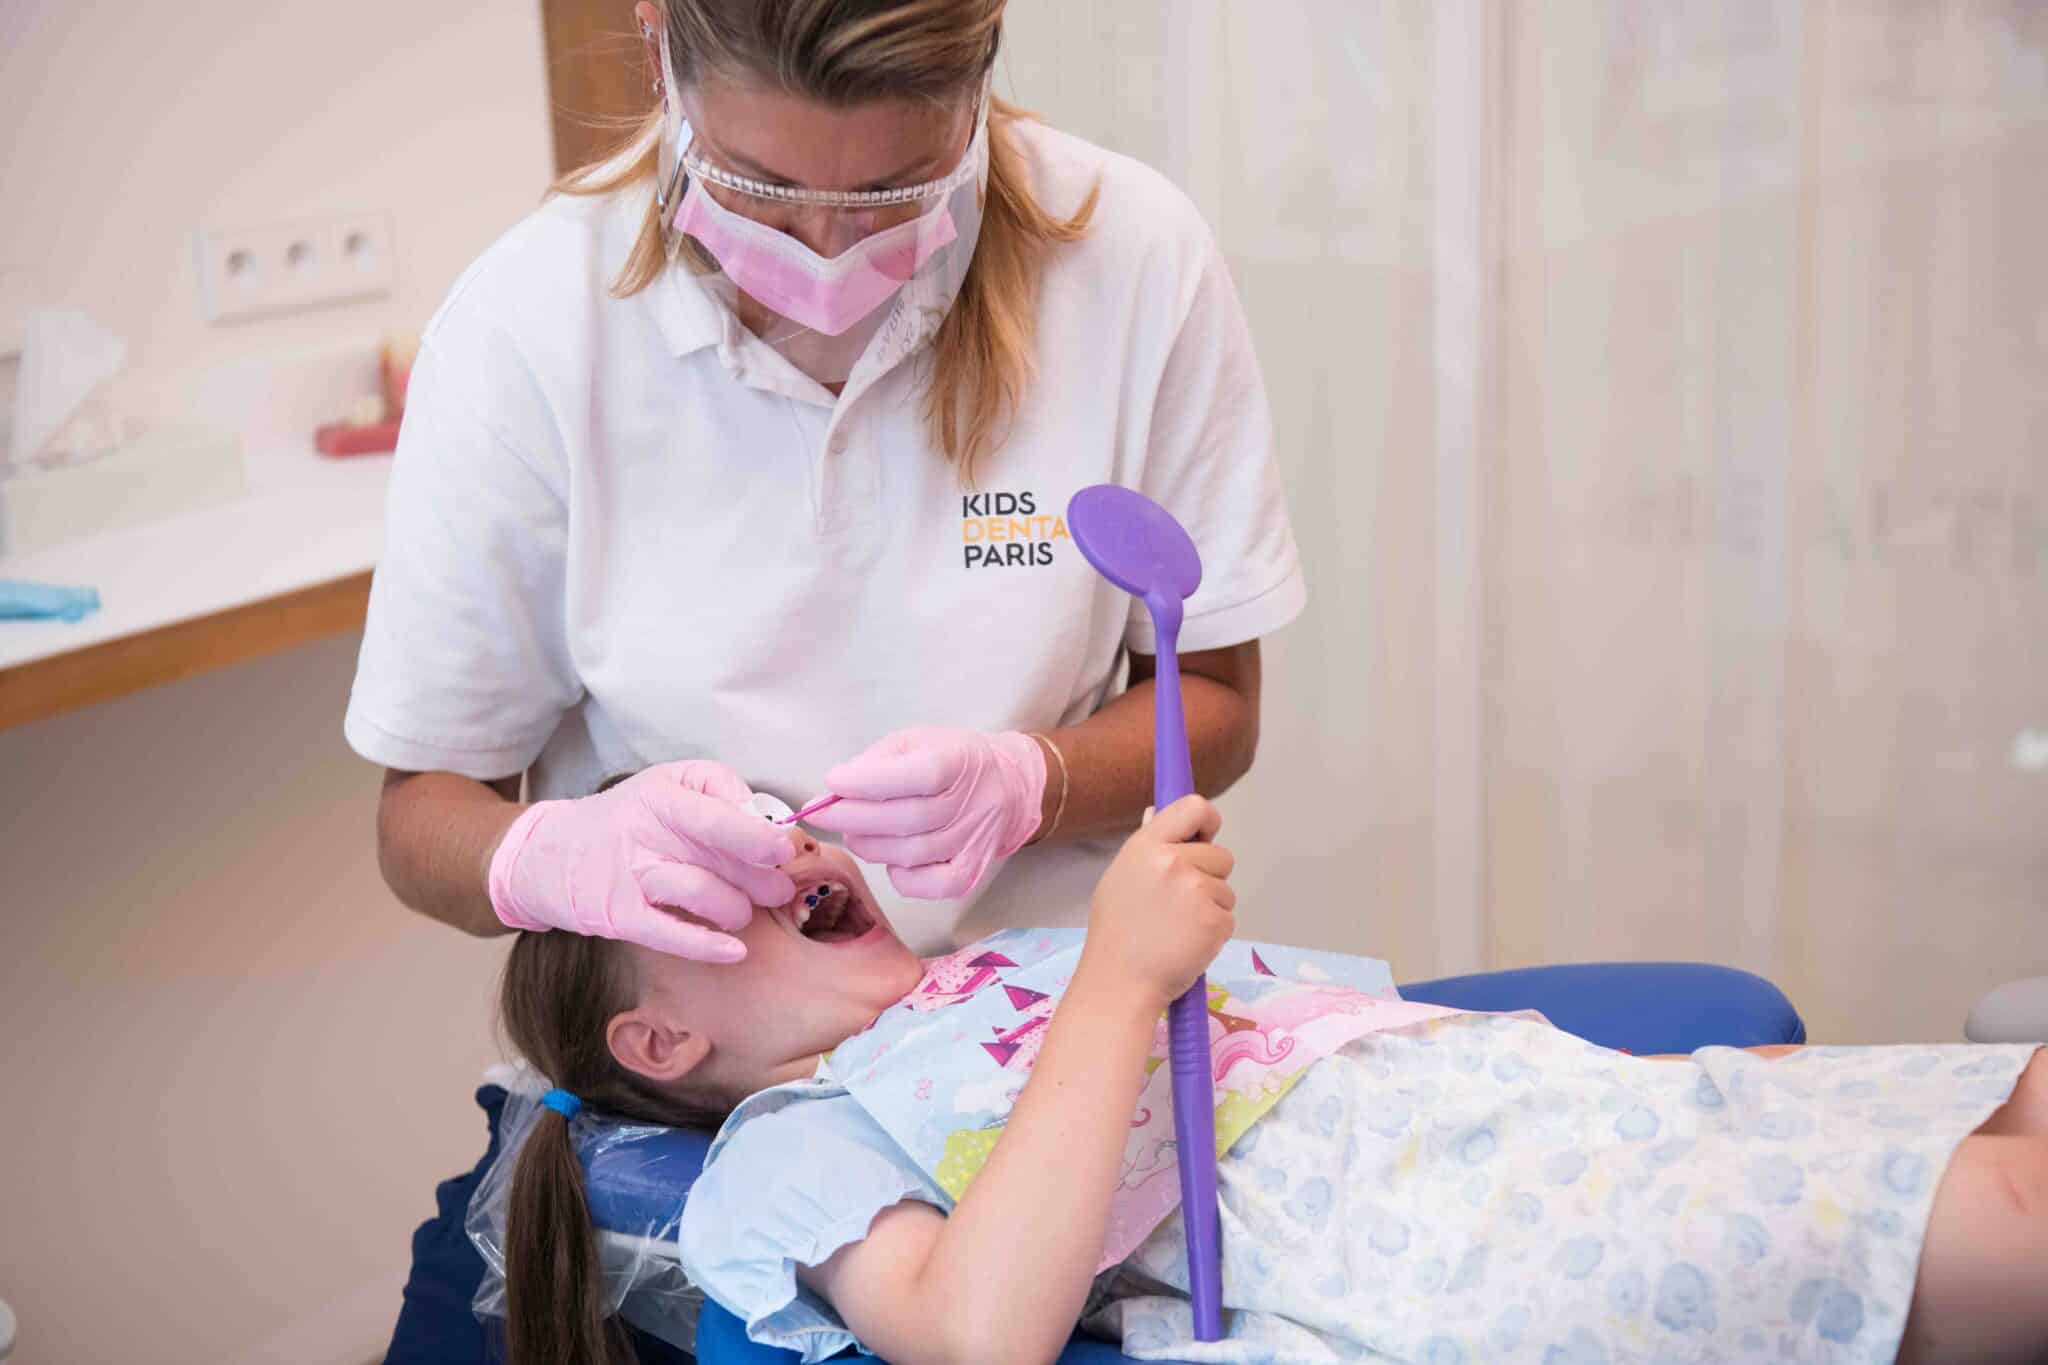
(285, 267)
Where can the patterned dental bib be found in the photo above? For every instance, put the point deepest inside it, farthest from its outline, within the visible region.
(941, 1069)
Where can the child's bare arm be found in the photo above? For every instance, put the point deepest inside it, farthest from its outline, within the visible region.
(923, 1287)
(1002, 1281)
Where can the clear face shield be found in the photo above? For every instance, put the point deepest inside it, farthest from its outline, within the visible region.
(819, 274)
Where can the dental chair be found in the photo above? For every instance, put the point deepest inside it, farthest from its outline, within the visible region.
(1643, 1007)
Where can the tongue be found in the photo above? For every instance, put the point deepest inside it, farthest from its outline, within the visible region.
(837, 922)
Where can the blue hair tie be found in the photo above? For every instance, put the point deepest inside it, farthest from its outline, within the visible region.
(562, 1102)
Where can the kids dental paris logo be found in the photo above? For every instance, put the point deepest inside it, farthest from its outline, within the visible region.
(1007, 531)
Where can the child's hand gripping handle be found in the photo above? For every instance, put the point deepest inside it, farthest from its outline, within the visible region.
(1187, 1021)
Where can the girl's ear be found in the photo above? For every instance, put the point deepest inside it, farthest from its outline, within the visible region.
(646, 1046)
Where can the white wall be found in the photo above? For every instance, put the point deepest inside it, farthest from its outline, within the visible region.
(125, 129)
(231, 1067)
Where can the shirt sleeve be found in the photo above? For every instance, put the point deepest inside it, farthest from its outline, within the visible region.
(1209, 460)
(784, 1190)
(465, 664)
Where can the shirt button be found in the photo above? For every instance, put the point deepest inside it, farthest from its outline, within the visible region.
(837, 445)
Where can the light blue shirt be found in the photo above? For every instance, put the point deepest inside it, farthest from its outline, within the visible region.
(796, 1173)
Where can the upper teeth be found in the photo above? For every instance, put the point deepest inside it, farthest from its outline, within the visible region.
(803, 915)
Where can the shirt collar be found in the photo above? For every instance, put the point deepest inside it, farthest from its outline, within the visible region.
(689, 318)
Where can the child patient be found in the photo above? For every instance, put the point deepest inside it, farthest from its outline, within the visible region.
(1466, 1188)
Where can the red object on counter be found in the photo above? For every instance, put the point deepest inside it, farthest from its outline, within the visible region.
(394, 368)
(356, 438)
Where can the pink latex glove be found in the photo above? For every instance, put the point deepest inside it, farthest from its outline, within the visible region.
(674, 835)
(936, 807)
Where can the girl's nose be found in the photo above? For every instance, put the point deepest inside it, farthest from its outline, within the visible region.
(806, 844)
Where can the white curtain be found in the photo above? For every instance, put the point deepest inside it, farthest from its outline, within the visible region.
(1663, 394)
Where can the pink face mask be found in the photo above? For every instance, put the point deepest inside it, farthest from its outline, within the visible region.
(786, 277)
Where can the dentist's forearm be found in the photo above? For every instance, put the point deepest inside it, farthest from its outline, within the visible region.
(1109, 755)
(1040, 1207)
(435, 836)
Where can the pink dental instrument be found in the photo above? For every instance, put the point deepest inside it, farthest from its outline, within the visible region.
(808, 811)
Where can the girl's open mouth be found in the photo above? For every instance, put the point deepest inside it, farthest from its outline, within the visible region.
(830, 910)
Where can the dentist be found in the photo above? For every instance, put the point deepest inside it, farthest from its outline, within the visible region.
(741, 463)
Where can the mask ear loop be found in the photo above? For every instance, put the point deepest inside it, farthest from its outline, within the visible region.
(674, 138)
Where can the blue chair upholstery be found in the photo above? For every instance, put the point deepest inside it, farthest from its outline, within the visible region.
(1639, 1007)
(643, 1184)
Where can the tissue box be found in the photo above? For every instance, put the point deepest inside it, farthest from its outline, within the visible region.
(159, 473)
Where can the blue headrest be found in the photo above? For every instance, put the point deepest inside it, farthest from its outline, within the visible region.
(639, 1185)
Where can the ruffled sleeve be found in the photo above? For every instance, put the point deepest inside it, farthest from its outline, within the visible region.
(787, 1189)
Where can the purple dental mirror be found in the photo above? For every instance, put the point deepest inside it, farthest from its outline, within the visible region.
(1136, 544)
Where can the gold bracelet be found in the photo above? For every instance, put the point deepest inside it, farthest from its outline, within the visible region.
(1061, 809)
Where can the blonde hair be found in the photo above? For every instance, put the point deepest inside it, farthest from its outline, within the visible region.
(845, 52)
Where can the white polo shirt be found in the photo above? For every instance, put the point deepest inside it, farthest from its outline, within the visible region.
(622, 531)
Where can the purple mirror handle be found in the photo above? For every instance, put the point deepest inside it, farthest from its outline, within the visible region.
(1173, 771)
(1187, 1020)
